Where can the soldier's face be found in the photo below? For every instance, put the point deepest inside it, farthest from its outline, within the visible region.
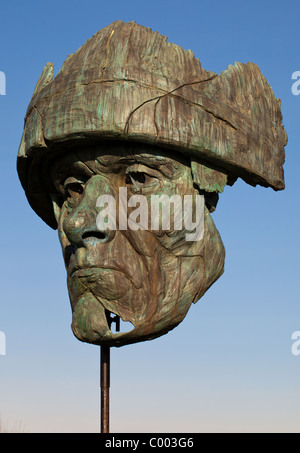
(119, 259)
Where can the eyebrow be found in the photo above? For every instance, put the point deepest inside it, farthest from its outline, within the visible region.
(61, 170)
(160, 162)
(111, 162)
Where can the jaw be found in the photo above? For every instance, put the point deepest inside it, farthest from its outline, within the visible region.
(166, 302)
(89, 324)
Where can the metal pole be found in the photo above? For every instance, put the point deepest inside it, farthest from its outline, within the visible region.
(105, 374)
(105, 384)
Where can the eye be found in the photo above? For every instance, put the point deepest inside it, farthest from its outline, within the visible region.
(135, 177)
(73, 190)
(139, 178)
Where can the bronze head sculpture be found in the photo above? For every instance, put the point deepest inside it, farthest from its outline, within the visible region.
(130, 117)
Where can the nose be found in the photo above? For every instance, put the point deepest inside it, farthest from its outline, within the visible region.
(80, 224)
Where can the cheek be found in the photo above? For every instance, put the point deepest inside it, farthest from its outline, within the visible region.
(64, 242)
(180, 220)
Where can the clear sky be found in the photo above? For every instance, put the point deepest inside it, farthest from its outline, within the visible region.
(228, 367)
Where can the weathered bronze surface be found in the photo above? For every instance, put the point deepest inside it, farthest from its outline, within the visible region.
(130, 110)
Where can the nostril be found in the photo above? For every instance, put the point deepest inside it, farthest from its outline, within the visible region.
(93, 234)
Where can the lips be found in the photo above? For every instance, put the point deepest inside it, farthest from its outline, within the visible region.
(80, 271)
(110, 288)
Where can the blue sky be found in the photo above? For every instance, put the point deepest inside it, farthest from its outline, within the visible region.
(228, 366)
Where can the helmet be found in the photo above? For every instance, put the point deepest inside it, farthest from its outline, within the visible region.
(128, 83)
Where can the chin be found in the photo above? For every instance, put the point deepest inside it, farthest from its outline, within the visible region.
(89, 323)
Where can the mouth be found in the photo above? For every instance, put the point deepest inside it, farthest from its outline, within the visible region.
(87, 271)
(78, 271)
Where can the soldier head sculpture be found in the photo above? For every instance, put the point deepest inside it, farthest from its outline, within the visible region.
(129, 121)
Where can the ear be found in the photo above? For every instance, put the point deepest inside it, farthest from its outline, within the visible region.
(209, 181)
(207, 178)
